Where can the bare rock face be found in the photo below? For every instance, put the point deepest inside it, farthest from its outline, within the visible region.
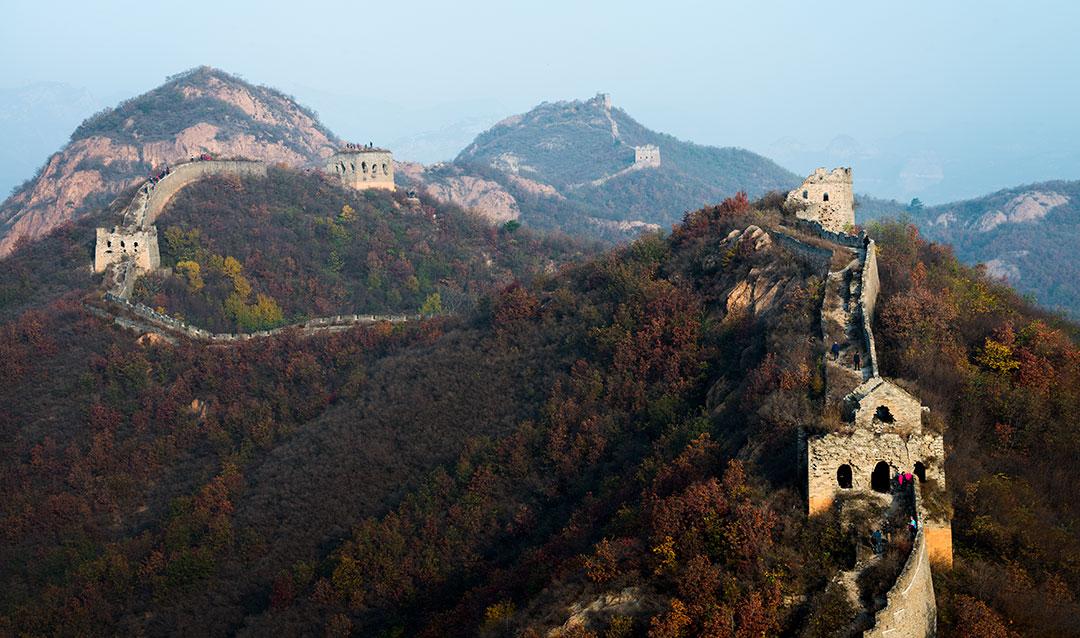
(202, 111)
(1026, 207)
(485, 197)
(758, 293)
(534, 187)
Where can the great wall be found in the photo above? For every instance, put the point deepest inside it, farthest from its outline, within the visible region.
(882, 429)
(125, 252)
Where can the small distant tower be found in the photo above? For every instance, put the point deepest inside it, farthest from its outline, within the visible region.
(604, 99)
(646, 156)
(826, 197)
(363, 167)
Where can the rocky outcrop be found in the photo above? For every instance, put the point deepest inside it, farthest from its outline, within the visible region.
(1026, 207)
(102, 161)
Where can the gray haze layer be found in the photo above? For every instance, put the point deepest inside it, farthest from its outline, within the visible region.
(934, 100)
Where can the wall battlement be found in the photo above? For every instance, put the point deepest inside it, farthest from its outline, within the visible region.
(118, 244)
(137, 240)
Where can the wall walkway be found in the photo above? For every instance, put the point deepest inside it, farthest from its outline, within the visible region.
(149, 317)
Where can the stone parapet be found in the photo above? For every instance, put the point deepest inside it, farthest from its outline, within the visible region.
(187, 173)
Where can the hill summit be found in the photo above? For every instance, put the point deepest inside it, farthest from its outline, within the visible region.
(199, 111)
(586, 165)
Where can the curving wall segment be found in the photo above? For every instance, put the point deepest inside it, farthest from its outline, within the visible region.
(886, 429)
(137, 241)
(188, 173)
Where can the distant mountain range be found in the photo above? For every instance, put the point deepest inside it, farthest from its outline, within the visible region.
(568, 166)
(35, 120)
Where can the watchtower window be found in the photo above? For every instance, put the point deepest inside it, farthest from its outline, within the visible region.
(843, 476)
(883, 414)
(352, 166)
(136, 244)
(806, 194)
(108, 243)
(384, 171)
(122, 243)
(342, 165)
(825, 197)
(879, 479)
(920, 471)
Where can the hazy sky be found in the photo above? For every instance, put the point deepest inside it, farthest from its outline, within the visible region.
(968, 95)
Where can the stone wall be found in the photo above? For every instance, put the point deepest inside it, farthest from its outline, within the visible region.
(819, 258)
(871, 285)
(827, 197)
(814, 227)
(363, 168)
(939, 541)
(861, 451)
(910, 610)
(137, 241)
(880, 406)
(166, 323)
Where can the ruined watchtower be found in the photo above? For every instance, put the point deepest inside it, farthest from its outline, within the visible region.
(826, 197)
(120, 244)
(363, 167)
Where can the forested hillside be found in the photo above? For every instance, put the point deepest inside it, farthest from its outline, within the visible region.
(608, 449)
(1005, 377)
(251, 254)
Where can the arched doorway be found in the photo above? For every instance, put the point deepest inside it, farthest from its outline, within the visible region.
(879, 479)
(843, 476)
(920, 471)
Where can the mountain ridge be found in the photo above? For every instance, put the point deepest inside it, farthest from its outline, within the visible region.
(573, 164)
